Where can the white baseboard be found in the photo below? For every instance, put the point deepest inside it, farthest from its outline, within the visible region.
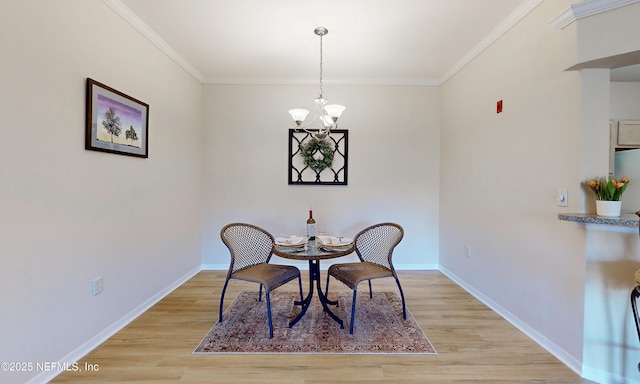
(534, 335)
(398, 267)
(101, 337)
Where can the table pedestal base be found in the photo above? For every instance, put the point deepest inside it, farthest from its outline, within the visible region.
(314, 275)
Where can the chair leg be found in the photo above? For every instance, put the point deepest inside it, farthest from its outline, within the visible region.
(370, 291)
(260, 293)
(353, 310)
(404, 308)
(222, 299)
(269, 314)
(635, 293)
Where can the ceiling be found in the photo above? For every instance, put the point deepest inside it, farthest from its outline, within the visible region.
(414, 42)
(369, 41)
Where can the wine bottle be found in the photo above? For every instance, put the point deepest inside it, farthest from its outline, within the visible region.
(311, 225)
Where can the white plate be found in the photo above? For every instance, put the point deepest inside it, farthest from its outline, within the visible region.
(291, 241)
(334, 242)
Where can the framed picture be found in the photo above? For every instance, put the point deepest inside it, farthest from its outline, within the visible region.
(318, 162)
(116, 123)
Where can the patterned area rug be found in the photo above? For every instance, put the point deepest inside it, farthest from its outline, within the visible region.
(379, 327)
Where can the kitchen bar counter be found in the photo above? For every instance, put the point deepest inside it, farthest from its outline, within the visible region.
(625, 220)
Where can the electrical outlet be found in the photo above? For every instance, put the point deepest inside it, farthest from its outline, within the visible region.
(97, 285)
(562, 197)
(467, 251)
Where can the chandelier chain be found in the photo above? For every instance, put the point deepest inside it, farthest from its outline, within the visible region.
(321, 66)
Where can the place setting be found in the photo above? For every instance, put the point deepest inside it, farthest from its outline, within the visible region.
(291, 243)
(334, 243)
(324, 242)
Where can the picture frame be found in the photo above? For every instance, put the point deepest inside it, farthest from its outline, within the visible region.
(115, 122)
(301, 174)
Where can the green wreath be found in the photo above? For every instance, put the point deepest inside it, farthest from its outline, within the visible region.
(308, 149)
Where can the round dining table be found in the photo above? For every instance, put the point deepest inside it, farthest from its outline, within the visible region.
(314, 252)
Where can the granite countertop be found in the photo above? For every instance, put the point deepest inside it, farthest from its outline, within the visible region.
(625, 220)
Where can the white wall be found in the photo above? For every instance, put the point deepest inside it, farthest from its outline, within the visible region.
(70, 215)
(499, 175)
(595, 132)
(393, 166)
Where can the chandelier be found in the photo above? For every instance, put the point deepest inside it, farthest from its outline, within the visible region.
(328, 114)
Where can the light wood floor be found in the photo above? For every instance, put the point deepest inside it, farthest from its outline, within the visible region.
(474, 344)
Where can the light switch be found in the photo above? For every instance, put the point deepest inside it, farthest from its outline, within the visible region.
(562, 198)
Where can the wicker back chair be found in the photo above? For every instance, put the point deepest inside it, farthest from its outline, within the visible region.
(251, 248)
(374, 246)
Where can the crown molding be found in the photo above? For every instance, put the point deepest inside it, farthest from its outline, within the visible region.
(354, 81)
(585, 9)
(497, 32)
(147, 32)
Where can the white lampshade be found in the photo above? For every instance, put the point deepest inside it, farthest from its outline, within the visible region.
(334, 110)
(298, 115)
